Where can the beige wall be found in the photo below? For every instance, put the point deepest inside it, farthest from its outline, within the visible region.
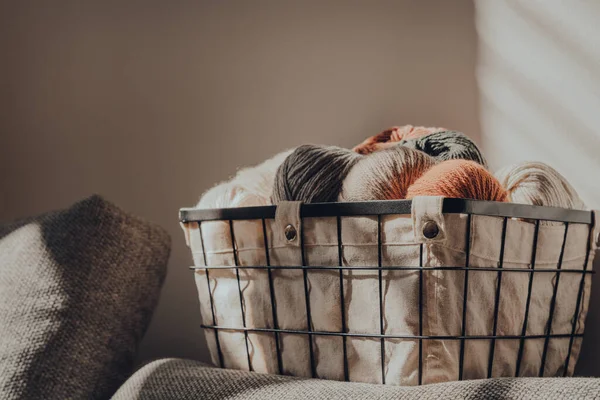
(151, 103)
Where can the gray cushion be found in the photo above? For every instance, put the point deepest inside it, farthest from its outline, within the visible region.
(77, 291)
(183, 379)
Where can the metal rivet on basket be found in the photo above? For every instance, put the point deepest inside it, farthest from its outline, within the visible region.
(430, 229)
(290, 233)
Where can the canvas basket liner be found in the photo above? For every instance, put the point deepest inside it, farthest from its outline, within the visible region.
(412, 302)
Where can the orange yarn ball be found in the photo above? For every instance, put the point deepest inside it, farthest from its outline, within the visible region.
(391, 136)
(462, 179)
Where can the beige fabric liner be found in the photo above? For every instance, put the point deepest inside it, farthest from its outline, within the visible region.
(442, 294)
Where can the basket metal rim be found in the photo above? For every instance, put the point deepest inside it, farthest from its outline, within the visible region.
(387, 207)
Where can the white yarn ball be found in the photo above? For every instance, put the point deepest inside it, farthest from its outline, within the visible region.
(228, 194)
(251, 186)
(259, 179)
(538, 184)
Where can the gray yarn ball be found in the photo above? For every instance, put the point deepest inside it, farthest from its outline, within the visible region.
(313, 174)
(447, 145)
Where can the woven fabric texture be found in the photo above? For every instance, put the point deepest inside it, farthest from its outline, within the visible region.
(182, 379)
(77, 290)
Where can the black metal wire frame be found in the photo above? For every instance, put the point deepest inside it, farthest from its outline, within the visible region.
(469, 207)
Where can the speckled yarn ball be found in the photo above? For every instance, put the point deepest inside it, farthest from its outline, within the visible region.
(447, 145)
(392, 136)
(385, 175)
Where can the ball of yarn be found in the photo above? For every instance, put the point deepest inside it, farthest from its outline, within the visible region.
(391, 136)
(462, 179)
(259, 180)
(385, 175)
(251, 186)
(313, 174)
(447, 145)
(228, 194)
(539, 184)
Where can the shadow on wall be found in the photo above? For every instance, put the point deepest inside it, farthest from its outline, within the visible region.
(540, 85)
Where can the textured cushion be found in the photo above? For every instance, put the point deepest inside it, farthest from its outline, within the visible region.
(181, 379)
(77, 291)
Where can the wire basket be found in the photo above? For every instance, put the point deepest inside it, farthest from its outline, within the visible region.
(394, 292)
